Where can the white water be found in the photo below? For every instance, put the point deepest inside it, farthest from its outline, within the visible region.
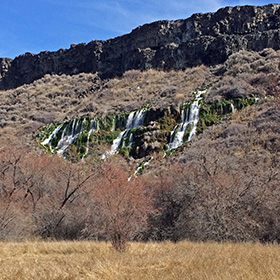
(68, 138)
(135, 119)
(232, 108)
(94, 127)
(69, 134)
(114, 124)
(52, 135)
(190, 117)
(76, 127)
(140, 168)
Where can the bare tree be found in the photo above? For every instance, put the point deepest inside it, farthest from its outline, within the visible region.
(61, 213)
(124, 206)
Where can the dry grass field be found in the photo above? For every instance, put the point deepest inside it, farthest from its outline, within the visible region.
(183, 260)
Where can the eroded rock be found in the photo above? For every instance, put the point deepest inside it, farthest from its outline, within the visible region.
(164, 45)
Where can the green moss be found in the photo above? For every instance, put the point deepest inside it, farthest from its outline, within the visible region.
(45, 131)
(81, 151)
(106, 124)
(120, 120)
(187, 132)
(173, 135)
(54, 141)
(82, 139)
(240, 103)
(167, 122)
(125, 151)
(104, 138)
(108, 138)
(147, 104)
(210, 113)
(187, 106)
(87, 124)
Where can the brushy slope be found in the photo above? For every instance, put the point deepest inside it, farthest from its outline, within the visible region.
(224, 185)
(55, 98)
(231, 194)
(183, 260)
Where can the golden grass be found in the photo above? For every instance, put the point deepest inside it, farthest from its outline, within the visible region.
(184, 260)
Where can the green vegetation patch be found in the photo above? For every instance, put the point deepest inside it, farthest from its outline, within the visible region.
(210, 113)
(167, 122)
(45, 131)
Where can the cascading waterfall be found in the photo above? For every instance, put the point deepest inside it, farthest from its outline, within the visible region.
(69, 133)
(142, 166)
(135, 119)
(68, 138)
(94, 127)
(139, 143)
(52, 136)
(189, 120)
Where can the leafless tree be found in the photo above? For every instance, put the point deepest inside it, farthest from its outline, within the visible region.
(124, 206)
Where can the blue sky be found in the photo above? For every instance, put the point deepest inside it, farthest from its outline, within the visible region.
(37, 25)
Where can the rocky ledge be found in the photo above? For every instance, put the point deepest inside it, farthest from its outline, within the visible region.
(201, 39)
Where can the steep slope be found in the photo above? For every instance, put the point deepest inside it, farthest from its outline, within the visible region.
(247, 77)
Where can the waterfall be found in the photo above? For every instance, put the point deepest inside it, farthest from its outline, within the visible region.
(142, 166)
(69, 134)
(68, 138)
(52, 136)
(135, 119)
(189, 120)
(130, 141)
(94, 127)
(232, 108)
(114, 124)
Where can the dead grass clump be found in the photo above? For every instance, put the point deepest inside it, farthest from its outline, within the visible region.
(179, 97)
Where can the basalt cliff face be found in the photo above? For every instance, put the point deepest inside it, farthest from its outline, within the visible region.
(201, 39)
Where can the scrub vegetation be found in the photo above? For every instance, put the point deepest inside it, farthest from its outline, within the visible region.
(222, 186)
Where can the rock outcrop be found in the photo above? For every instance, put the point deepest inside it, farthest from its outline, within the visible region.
(201, 39)
(4, 65)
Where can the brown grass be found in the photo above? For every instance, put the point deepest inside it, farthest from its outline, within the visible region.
(184, 260)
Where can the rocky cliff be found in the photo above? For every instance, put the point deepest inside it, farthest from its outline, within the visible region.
(201, 39)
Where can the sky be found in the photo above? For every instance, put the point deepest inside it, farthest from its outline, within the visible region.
(38, 25)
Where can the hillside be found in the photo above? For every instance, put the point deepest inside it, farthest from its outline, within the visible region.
(192, 105)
